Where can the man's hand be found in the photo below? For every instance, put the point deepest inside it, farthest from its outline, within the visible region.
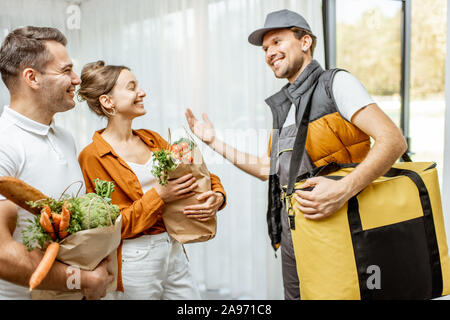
(206, 210)
(94, 283)
(204, 131)
(327, 197)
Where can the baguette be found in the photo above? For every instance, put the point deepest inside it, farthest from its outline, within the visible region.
(20, 192)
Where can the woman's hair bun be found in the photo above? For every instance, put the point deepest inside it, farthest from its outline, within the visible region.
(91, 67)
(94, 65)
(97, 79)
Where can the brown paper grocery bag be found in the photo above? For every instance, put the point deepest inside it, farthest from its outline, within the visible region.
(85, 250)
(181, 228)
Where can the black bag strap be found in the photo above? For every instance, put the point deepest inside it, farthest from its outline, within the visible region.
(334, 166)
(405, 157)
(299, 144)
(354, 220)
(331, 167)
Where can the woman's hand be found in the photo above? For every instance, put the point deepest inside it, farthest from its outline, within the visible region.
(206, 210)
(177, 189)
(204, 131)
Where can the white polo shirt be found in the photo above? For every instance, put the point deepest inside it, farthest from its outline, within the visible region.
(43, 156)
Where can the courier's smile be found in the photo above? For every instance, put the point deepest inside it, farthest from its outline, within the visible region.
(277, 61)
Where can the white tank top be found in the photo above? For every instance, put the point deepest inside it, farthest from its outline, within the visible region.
(144, 173)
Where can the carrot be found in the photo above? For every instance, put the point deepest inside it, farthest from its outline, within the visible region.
(45, 265)
(46, 223)
(56, 221)
(65, 220)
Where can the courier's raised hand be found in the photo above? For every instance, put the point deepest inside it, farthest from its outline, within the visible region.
(204, 131)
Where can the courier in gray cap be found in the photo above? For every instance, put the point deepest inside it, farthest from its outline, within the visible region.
(285, 34)
(341, 119)
(289, 43)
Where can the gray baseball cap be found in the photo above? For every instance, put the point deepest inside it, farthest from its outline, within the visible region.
(278, 20)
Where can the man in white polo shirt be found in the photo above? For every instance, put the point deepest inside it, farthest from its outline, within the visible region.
(37, 70)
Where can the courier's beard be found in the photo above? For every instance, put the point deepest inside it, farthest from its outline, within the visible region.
(291, 70)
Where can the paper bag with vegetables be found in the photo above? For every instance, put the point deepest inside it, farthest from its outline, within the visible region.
(184, 157)
(79, 231)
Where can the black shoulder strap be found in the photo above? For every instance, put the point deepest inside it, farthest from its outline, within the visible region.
(299, 144)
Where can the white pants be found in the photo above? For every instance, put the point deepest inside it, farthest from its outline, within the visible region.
(155, 267)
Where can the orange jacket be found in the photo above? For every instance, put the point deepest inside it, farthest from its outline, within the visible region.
(141, 213)
(331, 138)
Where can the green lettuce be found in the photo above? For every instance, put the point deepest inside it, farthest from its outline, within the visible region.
(93, 211)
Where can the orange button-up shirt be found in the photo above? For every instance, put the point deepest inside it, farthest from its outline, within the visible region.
(141, 212)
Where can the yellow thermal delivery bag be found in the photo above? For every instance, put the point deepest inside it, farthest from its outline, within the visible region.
(387, 242)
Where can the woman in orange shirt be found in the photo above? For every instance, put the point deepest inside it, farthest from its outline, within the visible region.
(151, 264)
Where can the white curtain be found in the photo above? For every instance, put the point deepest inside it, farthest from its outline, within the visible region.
(190, 53)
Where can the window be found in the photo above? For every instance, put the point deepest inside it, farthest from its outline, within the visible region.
(427, 84)
(368, 44)
(397, 49)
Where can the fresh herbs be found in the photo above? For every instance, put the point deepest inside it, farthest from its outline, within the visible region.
(104, 189)
(55, 205)
(34, 235)
(163, 163)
